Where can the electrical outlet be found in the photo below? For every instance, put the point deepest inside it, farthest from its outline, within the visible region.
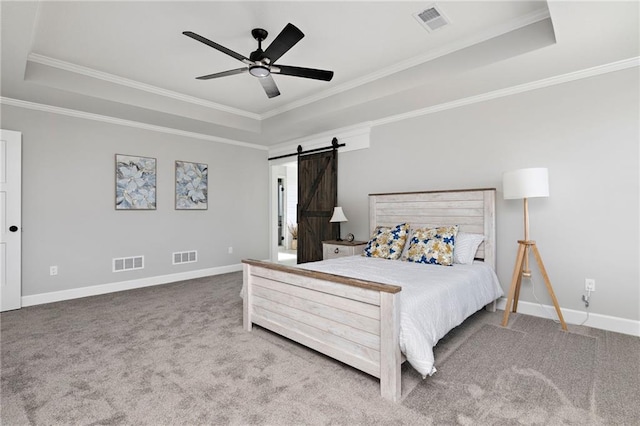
(53, 270)
(230, 250)
(589, 284)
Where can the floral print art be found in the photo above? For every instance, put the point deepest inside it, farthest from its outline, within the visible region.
(191, 185)
(135, 183)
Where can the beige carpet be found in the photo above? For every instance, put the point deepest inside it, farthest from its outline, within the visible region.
(177, 354)
(500, 374)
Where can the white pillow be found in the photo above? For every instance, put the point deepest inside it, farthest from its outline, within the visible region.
(465, 247)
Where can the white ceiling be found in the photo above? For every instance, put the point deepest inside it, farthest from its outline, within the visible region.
(130, 59)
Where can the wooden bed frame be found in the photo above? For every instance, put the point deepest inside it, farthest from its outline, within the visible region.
(355, 321)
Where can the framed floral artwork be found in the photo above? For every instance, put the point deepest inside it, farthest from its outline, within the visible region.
(191, 185)
(135, 183)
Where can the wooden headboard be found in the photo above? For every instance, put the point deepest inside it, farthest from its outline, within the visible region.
(472, 209)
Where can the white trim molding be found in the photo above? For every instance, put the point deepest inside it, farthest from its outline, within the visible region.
(358, 129)
(111, 78)
(312, 141)
(571, 316)
(514, 90)
(95, 290)
(122, 122)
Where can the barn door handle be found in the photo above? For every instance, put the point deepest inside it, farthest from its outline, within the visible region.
(13, 228)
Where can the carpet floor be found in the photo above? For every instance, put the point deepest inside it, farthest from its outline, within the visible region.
(177, 354)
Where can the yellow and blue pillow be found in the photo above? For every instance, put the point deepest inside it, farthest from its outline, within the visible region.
(433, 245)
(387, 243)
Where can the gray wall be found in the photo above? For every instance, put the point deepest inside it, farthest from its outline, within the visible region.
(68, 212)
(586, 132)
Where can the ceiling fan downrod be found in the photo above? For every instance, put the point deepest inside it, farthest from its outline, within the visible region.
(261, 67)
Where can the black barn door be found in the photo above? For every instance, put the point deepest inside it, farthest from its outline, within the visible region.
(317, 196)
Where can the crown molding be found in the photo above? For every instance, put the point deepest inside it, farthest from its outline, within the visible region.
(365, 127)
(354, 130)
(111, 78)
(512, 25)
(534, 85)
(122, 122)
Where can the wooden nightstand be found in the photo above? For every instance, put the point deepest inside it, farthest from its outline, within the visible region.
(332, 249)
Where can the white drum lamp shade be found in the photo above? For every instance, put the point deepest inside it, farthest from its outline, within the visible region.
(525, 183)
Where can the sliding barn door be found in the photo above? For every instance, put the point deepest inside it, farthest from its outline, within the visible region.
(317, 196)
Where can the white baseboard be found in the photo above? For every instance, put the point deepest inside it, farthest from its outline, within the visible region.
(94, 290)
(571, 316)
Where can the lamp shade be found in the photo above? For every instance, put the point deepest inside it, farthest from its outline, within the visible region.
(338, 215)
(525, 183)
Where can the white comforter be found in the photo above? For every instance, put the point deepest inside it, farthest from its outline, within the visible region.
(434, 299)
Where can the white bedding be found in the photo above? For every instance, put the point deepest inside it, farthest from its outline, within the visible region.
(434, 299)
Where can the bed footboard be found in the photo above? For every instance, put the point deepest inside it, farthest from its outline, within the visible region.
(354, 321)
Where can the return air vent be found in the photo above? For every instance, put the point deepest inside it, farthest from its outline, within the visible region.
(128, 263)
(185, 257)
(432, 18)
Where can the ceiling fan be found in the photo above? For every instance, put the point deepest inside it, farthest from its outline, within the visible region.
(261, 64)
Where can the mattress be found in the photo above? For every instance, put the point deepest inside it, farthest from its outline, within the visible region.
(434, 298)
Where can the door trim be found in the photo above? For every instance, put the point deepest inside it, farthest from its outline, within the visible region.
(11, 185)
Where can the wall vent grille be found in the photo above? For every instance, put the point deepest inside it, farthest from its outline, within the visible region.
(121, 264)
(185, 257)
(432, 18)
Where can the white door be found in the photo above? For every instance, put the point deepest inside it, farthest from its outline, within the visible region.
(10, 223)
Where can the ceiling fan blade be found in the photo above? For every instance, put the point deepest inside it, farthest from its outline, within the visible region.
(269, 86)
(217, 47)
(302, 72)
(223, 74)
(287, 38)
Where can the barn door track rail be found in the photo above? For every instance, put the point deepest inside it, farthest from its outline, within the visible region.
(334, 145)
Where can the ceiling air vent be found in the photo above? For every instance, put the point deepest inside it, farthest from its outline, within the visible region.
(432, 18)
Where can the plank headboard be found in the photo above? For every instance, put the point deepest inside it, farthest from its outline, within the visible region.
(472, 209)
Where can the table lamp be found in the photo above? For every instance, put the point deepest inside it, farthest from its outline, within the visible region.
(338, 216)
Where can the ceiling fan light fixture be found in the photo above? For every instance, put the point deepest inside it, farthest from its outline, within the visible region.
(259, 71)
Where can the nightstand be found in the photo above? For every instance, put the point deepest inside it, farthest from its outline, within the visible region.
(332, 249)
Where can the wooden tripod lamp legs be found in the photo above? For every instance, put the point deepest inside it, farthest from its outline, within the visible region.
(514, 291)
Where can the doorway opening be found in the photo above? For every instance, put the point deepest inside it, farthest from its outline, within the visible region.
(280, 212)
(284, 204)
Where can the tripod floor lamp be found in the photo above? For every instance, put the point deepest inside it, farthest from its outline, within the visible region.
(525, 184)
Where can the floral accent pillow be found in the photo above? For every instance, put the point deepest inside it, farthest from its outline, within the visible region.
(387, 243)
(433, 245)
